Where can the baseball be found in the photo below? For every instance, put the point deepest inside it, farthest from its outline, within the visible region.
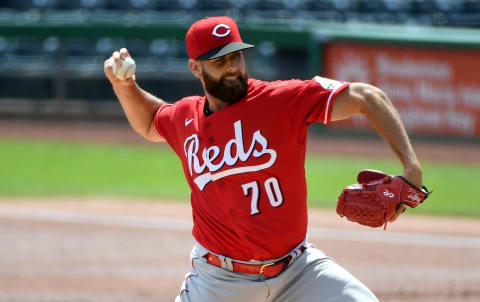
(126, 71)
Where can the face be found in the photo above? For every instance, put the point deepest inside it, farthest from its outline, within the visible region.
(226, 77)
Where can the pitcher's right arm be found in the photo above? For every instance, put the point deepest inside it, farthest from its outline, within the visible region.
(139, 106)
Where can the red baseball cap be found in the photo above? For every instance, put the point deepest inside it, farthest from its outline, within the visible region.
(214, 37)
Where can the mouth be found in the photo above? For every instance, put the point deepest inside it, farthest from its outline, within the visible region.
(232, 80)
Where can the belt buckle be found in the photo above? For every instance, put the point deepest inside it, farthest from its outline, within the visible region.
(264, 266)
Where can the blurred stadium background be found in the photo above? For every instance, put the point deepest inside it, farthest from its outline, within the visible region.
(52, 52)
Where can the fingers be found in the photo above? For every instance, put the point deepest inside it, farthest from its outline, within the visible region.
(400, 210)
(124, 53)
(116, 59)
(108, 66)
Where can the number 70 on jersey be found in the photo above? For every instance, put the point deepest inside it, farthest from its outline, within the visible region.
(272, 188)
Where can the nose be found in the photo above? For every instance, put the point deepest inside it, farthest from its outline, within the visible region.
(233, 64)
(233, 67)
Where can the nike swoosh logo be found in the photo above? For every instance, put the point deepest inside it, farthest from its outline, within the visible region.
(188, 121)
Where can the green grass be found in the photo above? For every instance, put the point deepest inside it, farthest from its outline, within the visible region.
(41, 168)
(71, 169)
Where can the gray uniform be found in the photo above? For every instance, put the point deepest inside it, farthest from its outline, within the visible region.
(310, 276)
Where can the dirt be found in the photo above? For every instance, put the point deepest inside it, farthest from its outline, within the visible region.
(69, 250)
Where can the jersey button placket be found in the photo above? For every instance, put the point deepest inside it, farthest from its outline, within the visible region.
(208, 125)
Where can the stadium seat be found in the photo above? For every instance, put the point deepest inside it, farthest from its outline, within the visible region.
(138, 48)
(7, 45)
(18, 4)
(27, 46)
(368, 6)
(164, 5)
(68, 5)
(419, 7)
(270, 5)
(396, 5)
(319, 5)
(238, 4)
(91, 4)
(471, 6)
(43, 4)
(188, 4)
(118, 5)
(140, 4)
(78, 47)
(331, 16)
(344, 4)
(448, 6)
(464, 19)
(159, 47)
(294, 4)
(214, 4)
(106, 46)
(51, 45)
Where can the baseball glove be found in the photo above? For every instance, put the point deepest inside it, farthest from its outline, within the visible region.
(376, 197)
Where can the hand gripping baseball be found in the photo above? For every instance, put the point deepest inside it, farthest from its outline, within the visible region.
(120, 67)
(376, 197)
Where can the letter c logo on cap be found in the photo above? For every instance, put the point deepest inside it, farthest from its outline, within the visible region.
(215, 30)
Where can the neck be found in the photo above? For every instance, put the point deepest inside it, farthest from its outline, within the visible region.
(215, 104)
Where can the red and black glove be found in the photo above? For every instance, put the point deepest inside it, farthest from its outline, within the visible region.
(376, 198)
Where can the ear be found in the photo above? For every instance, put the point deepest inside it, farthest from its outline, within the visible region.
(194, 66)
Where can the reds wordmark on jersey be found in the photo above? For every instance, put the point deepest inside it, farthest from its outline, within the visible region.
(245, 164)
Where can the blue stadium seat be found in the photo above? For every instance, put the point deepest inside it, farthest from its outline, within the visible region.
(344, 5)
(25, 46)
(464, 19)
(243, 4)
(141, 4)
(214, 4)
(319, 5)
(138, 48)
(91, 4)
(118, 5)
(271, 5)
(188, 4)
(396, 5)
(471, 6)
(68, 5)
(106, 46)
(79, 47)
(369, 6)
(43, 4)
(164, 5)
(418, 19)
(295, 4)
(7, 45)
(19, 4)
(331, 16)
(51, 45)
(419, 7)
(160, 48)
(448, 6)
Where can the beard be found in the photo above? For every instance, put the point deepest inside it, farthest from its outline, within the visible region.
(227, 91)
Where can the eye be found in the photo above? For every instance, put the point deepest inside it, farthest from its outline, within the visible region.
(218, 61)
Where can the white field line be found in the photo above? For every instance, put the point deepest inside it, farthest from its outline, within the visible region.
(186, 225)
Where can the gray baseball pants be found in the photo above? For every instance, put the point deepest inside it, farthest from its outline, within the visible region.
(311, 276)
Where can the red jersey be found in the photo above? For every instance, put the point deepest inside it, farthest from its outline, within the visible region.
(245, 164)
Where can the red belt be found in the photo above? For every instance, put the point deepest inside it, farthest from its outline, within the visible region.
(269, 269)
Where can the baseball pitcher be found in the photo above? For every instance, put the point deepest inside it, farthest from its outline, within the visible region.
(242, 148)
